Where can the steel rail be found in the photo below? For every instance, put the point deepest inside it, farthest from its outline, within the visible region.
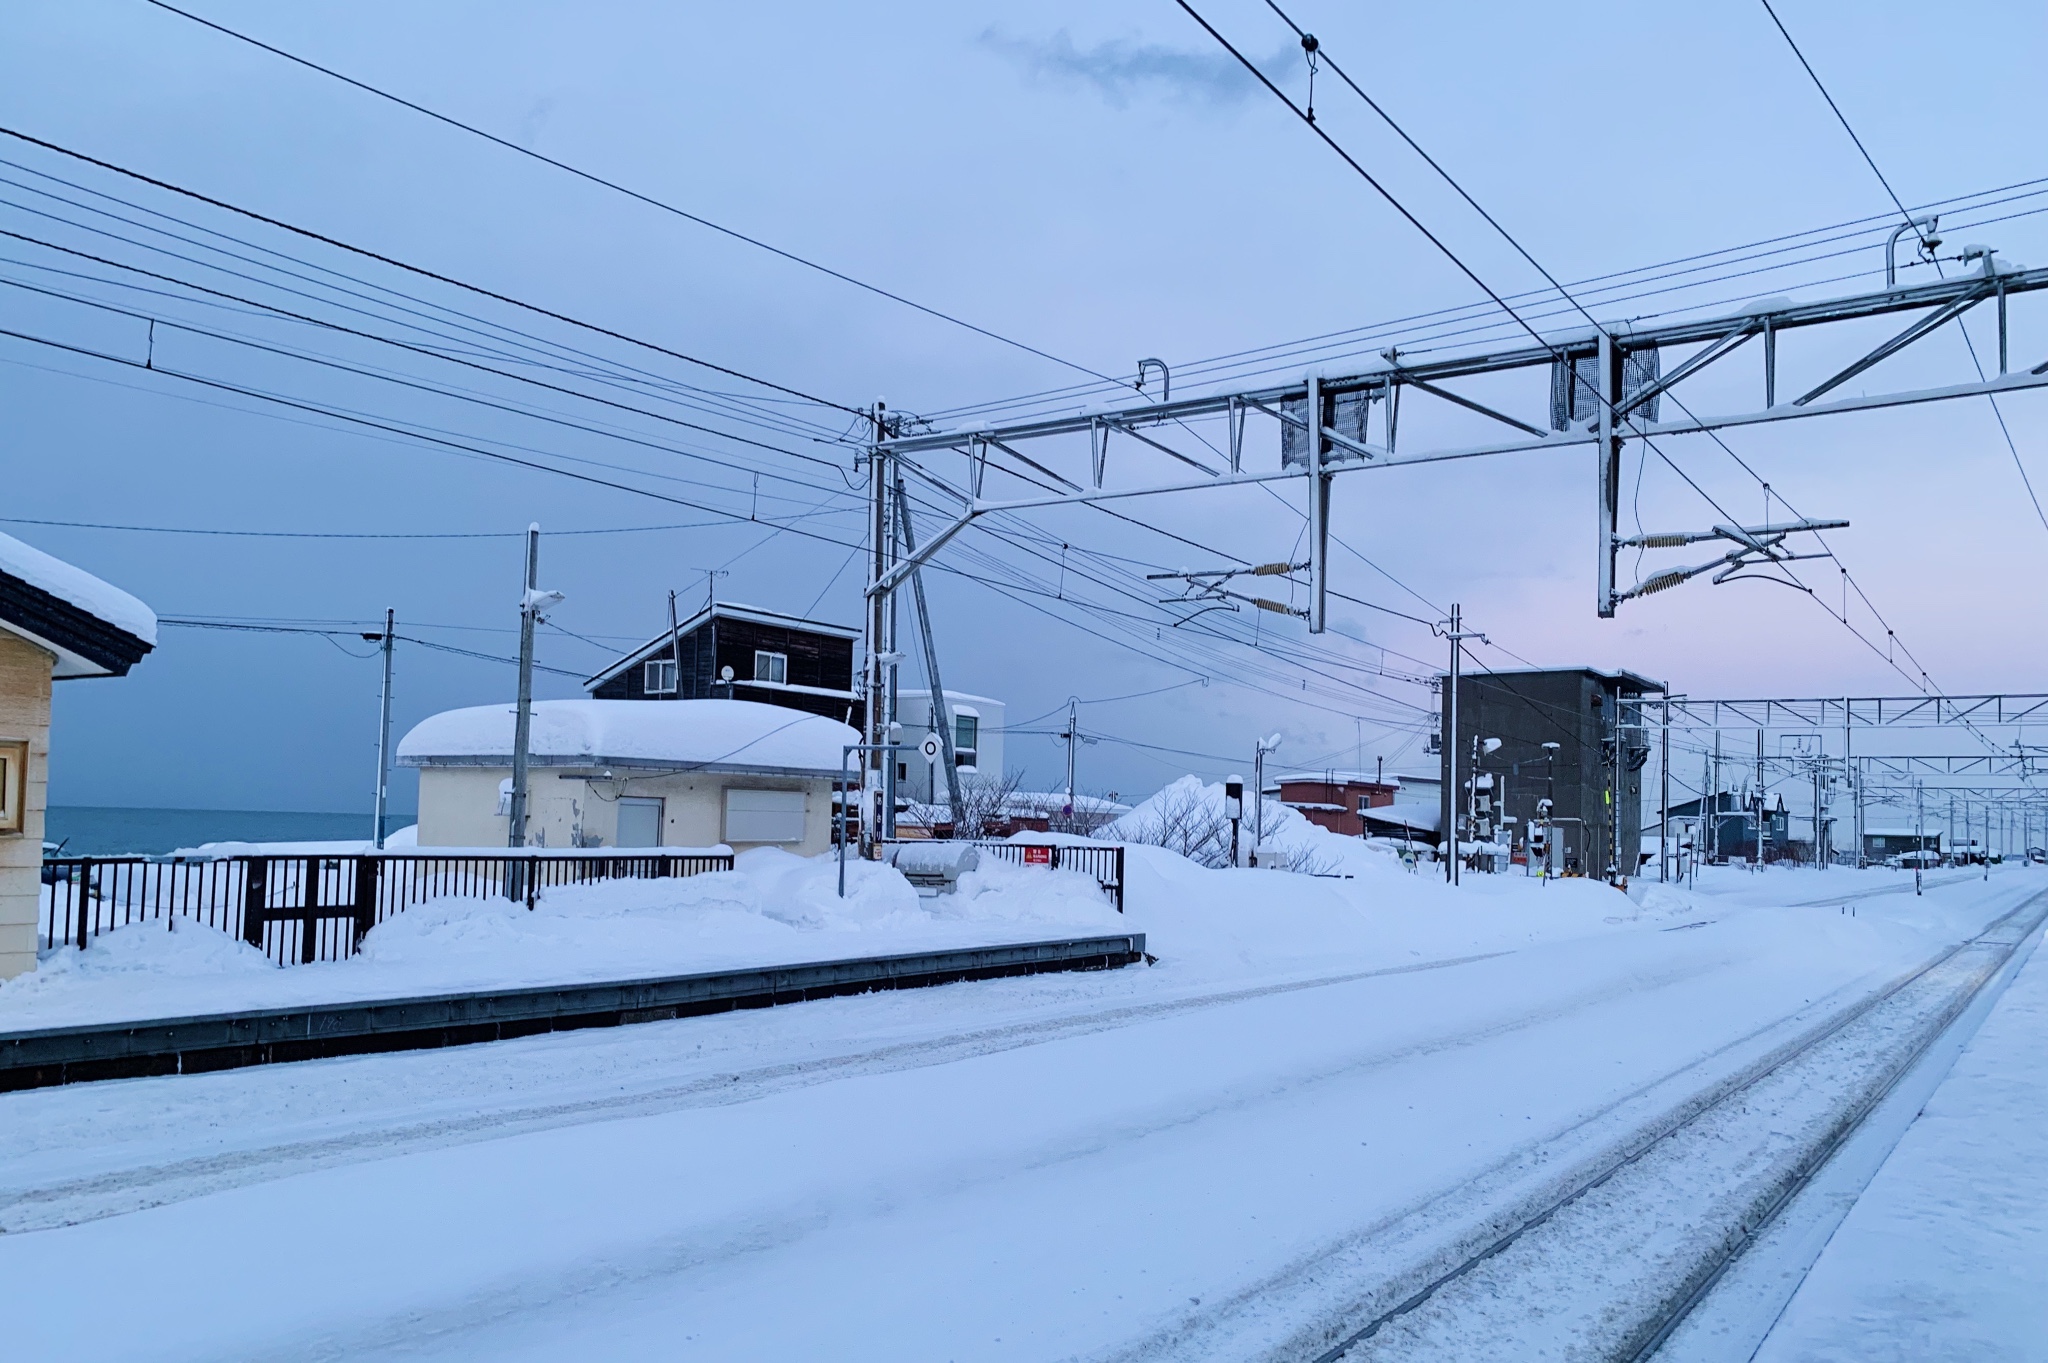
(1719, 1097)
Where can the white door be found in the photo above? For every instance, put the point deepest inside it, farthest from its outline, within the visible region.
(639, 823)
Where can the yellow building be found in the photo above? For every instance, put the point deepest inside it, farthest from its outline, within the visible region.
(622, 773)
(57, 623)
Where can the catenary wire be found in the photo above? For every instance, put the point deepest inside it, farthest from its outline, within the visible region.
(618, 187)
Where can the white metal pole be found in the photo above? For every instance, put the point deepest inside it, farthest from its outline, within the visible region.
(384, 730)
(1449, 803)
(875, 630)
(1664, 799)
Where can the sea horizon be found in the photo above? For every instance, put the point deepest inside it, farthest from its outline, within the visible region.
(152, 830)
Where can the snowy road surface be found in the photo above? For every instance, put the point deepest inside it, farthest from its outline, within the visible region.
(1229, 1156)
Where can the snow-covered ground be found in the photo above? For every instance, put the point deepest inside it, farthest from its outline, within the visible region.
(1945, 1254)
(1091, 1166)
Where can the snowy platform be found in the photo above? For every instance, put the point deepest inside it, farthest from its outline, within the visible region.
(60, 1055)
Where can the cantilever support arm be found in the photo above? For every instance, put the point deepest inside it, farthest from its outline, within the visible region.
(1725, 346)
(1939, 317)
(889, 581)
(1448, 396)
(1162, 448)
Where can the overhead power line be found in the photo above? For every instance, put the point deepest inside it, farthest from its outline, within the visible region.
(362, 296)
(1871, 161)
(1308, 120)
(618, 188)
(222, 532)
(424, 273)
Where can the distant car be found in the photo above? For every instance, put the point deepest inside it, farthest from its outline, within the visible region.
(2038, 855)
(1908, 860)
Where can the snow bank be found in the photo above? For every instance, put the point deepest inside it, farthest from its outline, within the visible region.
(772, 909)
(68, 583)
(1189, 806)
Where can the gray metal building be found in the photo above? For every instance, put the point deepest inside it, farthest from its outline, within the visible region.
(1594, 776)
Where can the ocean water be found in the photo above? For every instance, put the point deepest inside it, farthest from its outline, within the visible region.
(89, 830)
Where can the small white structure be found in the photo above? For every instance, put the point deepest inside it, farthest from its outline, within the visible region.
(621, 773)
(977, 742)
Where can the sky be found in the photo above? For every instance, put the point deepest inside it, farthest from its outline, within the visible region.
(1098, 183)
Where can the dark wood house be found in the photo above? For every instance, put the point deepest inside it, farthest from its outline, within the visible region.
(729, 652)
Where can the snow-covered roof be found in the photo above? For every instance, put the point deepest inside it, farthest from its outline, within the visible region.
(675, 735)
(1338, 778)
(1034, 802)
(93, 627)
(1419, 818)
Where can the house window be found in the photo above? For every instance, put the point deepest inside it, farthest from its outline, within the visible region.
(639, 823)
(966, 729)
(660, 676)
(771, 667)
(13, 784)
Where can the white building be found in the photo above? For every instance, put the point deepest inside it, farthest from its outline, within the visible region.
(619, 773)
(977, 741)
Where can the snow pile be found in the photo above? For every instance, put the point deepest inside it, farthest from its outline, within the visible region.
(1187, 818)
(80, 588)
(128, 961)
(772, 909)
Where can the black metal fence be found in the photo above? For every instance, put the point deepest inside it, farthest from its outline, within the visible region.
(1104, 862)
(300, 909)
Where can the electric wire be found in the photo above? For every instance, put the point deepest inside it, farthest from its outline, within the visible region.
(418, 270)
(1891, 193)
(620, 188)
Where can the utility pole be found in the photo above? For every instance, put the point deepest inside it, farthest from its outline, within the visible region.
(1715, 841)
(531, 603)
(1819, 863)
(522, 723)
(1448, 802)
(1919, 832)
(1851, 776)
(384, 729)
(1762, 808)
(873, 735)
(1664, 798)
(1073, 736)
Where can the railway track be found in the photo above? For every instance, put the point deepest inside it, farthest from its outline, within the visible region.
(1608, 1262)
